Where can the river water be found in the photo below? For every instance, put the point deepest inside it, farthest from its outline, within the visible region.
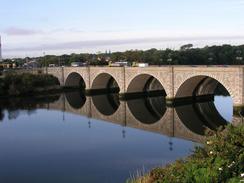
(73, 138)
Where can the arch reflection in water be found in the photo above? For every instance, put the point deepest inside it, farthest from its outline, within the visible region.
(199, 117)
(148, 110)
(106, 104)
(76, 99)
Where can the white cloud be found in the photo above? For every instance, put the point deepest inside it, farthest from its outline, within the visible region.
(15, 31)
(59, 41)
(122, 44)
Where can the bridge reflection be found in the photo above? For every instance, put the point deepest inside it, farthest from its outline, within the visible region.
(106, 104)
(147, 110)
(188, 121)
(76, 99)
(199, 117)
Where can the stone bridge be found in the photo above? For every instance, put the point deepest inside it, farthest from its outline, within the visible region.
(175, 81)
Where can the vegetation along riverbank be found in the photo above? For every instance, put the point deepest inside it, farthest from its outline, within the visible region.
(220, 159)
(27, 84)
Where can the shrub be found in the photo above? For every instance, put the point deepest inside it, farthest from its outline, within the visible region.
(16, 84)
(220, 159)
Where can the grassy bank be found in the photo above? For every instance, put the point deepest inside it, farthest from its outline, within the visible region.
(220, 159)
(27, 84)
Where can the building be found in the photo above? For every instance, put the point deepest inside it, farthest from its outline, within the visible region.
(78, 64)
(7, 65)
(31, 64)
(118, 64)
(138, 64)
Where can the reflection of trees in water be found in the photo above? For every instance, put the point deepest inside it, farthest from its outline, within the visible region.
(106, 104)
(148, 110)
(13, 114)
(15, 105)
(1, 114)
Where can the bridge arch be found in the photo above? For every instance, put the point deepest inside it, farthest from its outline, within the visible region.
(105, 82)
(74, 79)
(202, 85)
(55, 79)
(145, 83)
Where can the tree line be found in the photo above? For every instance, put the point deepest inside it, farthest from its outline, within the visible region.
(26, 84)
(186, 55)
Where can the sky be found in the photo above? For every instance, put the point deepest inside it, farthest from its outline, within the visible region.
(35, 28)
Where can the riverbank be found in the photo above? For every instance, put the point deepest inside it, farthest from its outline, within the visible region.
(14, 85)
(220, 159)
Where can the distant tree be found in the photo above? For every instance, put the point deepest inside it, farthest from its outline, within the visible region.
(186, 47)
(187, 55)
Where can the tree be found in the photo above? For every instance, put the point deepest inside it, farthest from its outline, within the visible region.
(186, 47)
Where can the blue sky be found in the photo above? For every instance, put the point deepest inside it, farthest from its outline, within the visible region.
(29, 28)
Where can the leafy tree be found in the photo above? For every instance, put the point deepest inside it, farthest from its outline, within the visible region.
(186, 47)
(187, 55)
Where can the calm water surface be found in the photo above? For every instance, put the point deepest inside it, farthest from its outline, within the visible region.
(43, 142)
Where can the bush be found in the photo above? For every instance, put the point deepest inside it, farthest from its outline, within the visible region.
(16, 84)
(220, 159)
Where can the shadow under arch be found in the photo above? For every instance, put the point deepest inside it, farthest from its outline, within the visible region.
(106, 104)
(75, 80)
(105, 83)
(55, 80)
(145, 85)
(148, 110)
(200, 116)
(76, 99)
(201, 85)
